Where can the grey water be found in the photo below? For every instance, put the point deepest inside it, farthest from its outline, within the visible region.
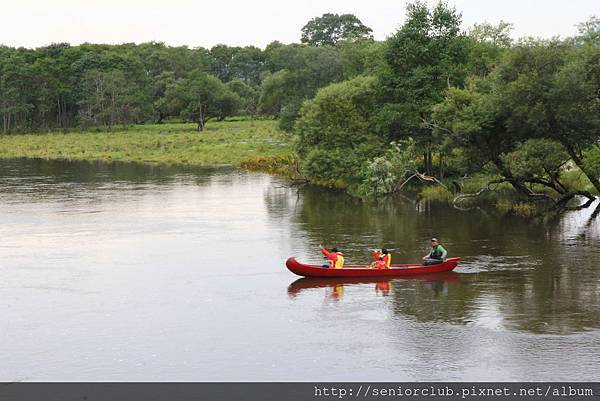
(121, 272)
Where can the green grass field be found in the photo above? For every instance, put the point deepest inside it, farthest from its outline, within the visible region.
(222, 143)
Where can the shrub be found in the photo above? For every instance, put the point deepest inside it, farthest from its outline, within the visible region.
(336, 167)
(338, 116)
(378, 178)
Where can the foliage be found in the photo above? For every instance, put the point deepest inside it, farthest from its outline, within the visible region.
(329, 29)
(338, 116)
(288, 115)
(247, 94)
(385, 173)
(332, 167)
(589, 31)
(539, 90)
(243, 63)
(295, 74)
(592, 159)
(108, 98)
(487, 44)
(364, 57)
(426, 56)
(200, 97)
(536, 159)
(378, 178)
(436, 193)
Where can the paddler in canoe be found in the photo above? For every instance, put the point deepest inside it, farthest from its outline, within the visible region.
(437, 255)
(334, 257)
(383, 259)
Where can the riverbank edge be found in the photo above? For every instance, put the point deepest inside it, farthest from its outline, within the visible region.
(253, 145)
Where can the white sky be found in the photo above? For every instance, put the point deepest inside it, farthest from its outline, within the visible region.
(33, 23)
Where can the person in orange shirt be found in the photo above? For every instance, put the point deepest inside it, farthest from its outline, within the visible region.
(383, 259)
(336, 258)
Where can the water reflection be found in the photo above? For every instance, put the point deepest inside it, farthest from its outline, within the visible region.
(437, 283)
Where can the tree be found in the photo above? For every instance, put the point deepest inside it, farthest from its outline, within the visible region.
(329, 29)
(550, 91)
(248, 96)
(538, 161)
(333, 131)
(589, 31)
(223, 58)
(297, 73)
(472, 119)
(338, 116)
(200, 97)
(363, 57)
(427, 55)
(540, 95)
(247, 65)
(159, 88)
(109, 99)
(487, 44)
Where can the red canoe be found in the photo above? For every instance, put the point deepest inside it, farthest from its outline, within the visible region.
(363, 271)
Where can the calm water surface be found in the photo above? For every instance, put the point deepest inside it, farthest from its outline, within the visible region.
(122, 272)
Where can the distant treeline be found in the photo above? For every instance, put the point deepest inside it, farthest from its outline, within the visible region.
(63, 86)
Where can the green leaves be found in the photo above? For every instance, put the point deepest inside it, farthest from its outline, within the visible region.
(339, 115)
(329, 29)
(536, 158)
(200, 97)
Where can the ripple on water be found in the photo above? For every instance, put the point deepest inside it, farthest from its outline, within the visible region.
(490, 263)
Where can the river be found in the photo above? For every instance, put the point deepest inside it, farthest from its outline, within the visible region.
(126, 272)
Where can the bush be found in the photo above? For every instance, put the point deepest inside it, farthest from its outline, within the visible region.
(278, 164)
(378, 178)
(383, 174)
(437, 193)
(337, 167)
(338, 116)
(288, 115)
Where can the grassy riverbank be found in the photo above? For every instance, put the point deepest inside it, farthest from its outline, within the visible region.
(230, 142)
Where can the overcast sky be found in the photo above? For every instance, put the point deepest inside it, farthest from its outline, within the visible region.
(32, 23)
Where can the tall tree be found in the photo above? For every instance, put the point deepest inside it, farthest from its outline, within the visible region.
(427, 55)
(329, 29)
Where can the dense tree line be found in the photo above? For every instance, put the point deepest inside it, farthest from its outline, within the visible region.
(63, 86)
(442, 101)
